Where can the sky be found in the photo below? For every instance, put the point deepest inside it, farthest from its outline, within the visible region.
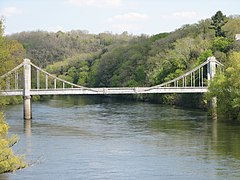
(115, 16)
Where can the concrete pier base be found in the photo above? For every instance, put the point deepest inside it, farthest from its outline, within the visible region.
(27, 107)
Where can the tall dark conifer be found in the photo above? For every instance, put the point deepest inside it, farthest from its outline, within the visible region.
(218, 21)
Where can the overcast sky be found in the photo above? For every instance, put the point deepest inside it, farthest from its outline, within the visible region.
(135, 16)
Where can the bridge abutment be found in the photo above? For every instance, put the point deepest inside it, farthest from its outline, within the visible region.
(27, 103)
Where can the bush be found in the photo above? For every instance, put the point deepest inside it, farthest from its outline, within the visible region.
(8, 160)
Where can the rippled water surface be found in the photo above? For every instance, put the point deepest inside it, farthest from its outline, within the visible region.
(102, 138)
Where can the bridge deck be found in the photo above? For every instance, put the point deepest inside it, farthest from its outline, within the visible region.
(194, 81)
(92, 91)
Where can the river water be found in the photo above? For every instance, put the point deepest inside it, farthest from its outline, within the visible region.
(102, 138)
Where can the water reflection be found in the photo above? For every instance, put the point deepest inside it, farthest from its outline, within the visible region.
(223, 138)
(28, 136)
(28, 127)
(226, 139)
(180, 124)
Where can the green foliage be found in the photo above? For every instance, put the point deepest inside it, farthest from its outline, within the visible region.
(8, 161)
(232, 27)
(218, 21)
(11, 53)
(158, 36)
(222, 44)
(204, 55)
(140, 75)
(83, 73)
(75, 69)
(226, 88)
(124, 63)
(44, 48)
(94, 79)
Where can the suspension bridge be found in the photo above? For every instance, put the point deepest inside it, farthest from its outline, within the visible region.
(28, 80)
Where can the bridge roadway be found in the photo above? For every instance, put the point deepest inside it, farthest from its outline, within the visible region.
(106, 91)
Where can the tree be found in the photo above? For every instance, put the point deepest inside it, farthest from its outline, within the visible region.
(232, 27)
(10, 52)
(218, 21)
(222, 44)
(8, 161)
(226, 87)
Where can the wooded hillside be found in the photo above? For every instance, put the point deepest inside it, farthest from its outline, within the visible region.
(106, 59)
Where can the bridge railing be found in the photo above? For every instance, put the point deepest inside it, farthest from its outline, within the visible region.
(197, 77)
(12, 79)
(45, 80)
(26, 77)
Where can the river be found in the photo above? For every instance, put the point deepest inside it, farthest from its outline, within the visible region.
(89, 137)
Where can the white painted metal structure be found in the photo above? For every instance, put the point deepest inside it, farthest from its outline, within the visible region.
(19, 82)
(194, 81)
